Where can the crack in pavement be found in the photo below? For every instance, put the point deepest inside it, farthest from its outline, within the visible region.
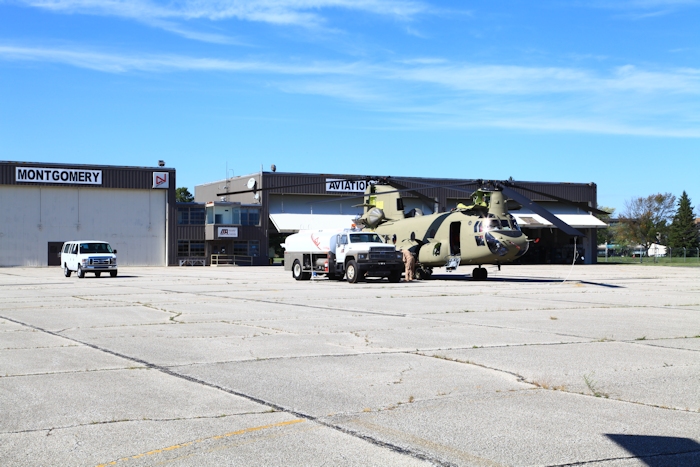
(272, 405)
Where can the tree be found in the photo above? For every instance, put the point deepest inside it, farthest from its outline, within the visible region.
(605, 236)
(645, 220)
(183, 195)
(684, 232)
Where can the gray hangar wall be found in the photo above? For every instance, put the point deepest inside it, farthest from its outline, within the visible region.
(133, 221)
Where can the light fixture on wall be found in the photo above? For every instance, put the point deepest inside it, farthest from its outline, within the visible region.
(161, 163)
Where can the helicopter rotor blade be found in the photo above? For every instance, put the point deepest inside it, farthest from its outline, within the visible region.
(576, 204)
(537, 209)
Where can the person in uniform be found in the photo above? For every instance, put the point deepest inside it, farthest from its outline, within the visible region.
(410, 263)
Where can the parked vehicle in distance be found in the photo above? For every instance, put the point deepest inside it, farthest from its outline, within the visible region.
(91, 256)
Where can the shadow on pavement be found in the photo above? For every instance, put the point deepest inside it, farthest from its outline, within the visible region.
(519, 280)
(656, 451)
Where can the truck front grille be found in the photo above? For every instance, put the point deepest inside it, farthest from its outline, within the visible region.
(382, 254)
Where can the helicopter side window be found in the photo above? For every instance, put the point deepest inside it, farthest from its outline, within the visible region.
(514, 223)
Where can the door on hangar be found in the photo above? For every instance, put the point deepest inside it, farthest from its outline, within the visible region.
(55, 253)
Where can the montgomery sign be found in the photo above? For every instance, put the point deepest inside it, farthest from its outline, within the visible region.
(49, 175)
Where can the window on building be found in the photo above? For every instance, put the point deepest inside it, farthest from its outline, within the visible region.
(236, 216)
(197, 216)
(183, 216)
(183, 247)
(190, 215)
(250, 216)
(197, 249)
(240, 247)
(188, 248)
(253, 248)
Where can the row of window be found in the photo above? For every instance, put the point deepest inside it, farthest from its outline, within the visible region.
(194, 248)
(190, 215)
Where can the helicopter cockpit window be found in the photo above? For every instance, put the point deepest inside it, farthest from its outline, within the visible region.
(514, 222)
(492, 224)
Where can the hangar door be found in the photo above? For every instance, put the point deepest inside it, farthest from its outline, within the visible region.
(133, 221)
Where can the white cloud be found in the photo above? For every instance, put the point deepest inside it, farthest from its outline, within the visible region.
(282, 12)
(430, 92)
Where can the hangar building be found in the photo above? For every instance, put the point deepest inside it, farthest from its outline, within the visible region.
(43, 205)
(289, 202)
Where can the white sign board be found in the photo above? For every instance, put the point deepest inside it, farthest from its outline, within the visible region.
(346, 186)
(161, 180)
(52, 175)
(228, 232)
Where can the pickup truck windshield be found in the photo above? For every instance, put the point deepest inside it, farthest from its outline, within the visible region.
(104, 248)
(365, 238)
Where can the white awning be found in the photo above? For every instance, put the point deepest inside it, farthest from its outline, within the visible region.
(288, 223)
(577, 221)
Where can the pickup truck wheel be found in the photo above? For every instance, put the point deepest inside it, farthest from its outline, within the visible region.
(395, 276)
(298, 273)
(98, 274)
(66, 271)
(80, 272)
(112, 273)
(352, 272)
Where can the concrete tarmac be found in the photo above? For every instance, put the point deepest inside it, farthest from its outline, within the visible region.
(245, 366)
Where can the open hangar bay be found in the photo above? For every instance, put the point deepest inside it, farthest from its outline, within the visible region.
(245, 366)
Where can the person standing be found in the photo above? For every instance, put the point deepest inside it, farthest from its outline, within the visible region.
(410, 264)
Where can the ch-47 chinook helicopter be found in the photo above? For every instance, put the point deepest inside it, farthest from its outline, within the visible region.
(482, 232)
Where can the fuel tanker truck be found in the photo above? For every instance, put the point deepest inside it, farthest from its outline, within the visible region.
(352, 254)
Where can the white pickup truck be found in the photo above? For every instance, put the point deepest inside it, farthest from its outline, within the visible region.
(91, 256)
(341, 253)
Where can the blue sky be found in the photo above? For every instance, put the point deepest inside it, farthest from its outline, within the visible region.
(575, 91)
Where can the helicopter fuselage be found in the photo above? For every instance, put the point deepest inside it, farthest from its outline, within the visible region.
(458, 237)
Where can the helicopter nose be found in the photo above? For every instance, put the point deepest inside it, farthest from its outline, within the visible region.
(505, 246)
(495, 244)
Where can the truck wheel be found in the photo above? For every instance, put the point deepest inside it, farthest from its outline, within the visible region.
(297, 272)
(112, 273)
(66, 271)
(80, 272)
(98, 274)
(352, 272)
(395, 276)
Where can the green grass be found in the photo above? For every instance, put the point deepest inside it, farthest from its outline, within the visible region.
(665, 261)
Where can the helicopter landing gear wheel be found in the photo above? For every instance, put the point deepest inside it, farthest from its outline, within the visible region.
(479, 274)
(297, 272)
